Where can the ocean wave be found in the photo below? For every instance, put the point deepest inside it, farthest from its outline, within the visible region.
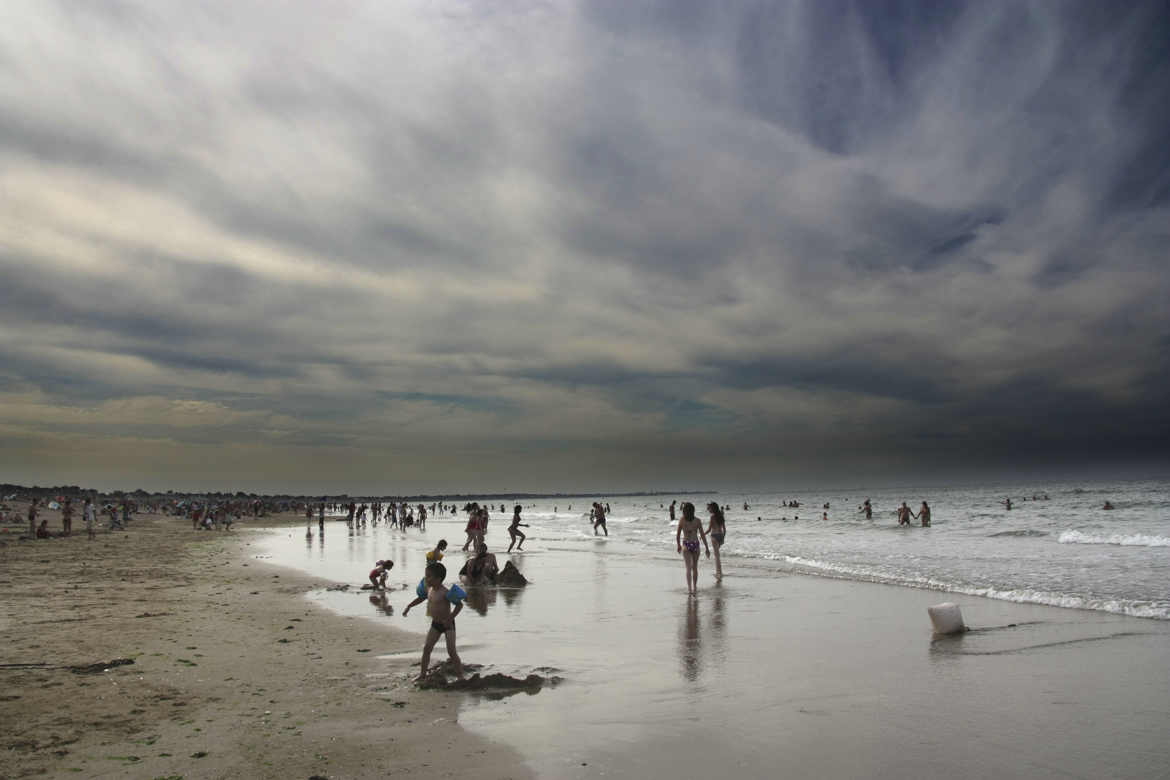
(1023, 532)
(1157, 610)
(1125, 540)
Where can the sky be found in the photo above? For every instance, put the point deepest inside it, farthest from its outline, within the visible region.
(436, 246)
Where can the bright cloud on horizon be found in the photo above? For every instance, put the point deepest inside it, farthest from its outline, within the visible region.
(598, 245)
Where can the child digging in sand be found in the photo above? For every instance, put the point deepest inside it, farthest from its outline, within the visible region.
(378, 574)
(439, 599)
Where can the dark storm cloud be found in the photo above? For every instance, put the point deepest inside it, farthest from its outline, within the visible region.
(839, 225)
(853, 371)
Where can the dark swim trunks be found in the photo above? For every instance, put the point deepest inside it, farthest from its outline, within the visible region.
(717, 536)
(438, 626)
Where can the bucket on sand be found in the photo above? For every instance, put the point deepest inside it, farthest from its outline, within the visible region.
(947, 618)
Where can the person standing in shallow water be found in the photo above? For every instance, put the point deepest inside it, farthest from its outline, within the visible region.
(717, 529)
(686, 538)
(924, 515)
(904, 514)
(599, 518)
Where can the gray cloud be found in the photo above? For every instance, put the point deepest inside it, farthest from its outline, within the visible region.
(756, 236)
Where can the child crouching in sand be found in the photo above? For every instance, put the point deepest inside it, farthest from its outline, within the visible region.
(439, 599)
(378, 575)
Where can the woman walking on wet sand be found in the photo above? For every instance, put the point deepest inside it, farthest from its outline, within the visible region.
(690, 529)
(717, 529)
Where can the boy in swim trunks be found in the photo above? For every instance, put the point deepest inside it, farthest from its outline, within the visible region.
(439, 599)
(690, 529)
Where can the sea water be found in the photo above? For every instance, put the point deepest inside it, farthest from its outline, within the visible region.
(1056, 546)
(1064, 551)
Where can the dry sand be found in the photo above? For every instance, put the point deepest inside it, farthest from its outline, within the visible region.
(233, 673)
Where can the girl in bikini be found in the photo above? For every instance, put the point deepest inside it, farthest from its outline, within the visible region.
(717, 528)
(690, 530)
(514, 530)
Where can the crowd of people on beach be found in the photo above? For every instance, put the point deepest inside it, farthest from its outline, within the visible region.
(444, 603)
(480, 569)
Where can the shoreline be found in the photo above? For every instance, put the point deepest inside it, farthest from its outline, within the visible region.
(772, 672)
(234, 672)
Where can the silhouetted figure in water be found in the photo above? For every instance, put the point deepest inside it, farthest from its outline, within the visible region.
(904, 514)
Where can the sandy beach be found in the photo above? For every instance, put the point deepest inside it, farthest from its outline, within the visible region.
(234, 673)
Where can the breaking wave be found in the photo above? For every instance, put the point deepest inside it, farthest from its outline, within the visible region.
(1124, 540)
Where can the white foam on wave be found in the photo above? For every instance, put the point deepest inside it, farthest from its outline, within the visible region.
(1158, 610)
(1124, 540)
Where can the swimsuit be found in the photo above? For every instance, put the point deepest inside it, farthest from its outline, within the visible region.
(718, 536)
(691, 546)
(437, 626)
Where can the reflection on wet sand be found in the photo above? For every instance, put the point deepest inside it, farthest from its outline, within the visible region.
(479, 597)
(690, 650)
(717, 649)
(382, 603)
(697, 651)
(511, 595)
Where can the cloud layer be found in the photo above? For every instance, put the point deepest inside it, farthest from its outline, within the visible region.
(441, 246)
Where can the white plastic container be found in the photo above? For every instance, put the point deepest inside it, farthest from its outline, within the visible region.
(947, 618)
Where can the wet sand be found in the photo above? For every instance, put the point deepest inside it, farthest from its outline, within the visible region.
(234, 673)
(770, 674)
